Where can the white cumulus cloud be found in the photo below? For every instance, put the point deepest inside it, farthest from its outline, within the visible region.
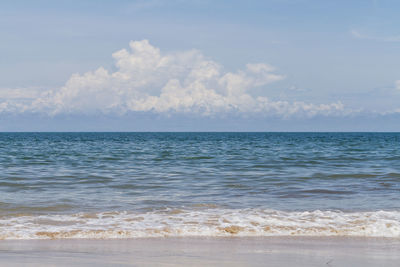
(148, 80)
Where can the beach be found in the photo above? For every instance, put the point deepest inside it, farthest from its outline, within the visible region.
(199, 133)
(233, 251)
(199, 199)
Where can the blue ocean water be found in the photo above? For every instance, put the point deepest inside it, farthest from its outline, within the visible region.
(44, 176)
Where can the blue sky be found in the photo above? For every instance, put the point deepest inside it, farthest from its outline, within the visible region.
(199, 65)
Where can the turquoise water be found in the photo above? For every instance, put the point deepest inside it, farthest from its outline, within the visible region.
(175, 176)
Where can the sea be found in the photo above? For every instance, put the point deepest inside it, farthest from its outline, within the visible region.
(135, 185)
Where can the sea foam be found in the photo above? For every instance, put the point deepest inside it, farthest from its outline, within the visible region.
(204, 222)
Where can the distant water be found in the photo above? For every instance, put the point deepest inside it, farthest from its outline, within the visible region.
(116, 185)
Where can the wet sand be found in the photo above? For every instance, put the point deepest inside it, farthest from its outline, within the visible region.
(271, 251)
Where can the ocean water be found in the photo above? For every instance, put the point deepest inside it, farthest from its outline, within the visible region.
(124, 185)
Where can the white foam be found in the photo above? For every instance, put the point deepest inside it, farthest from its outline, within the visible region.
(206, 222)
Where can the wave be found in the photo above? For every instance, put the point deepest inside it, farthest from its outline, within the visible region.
(213, 222)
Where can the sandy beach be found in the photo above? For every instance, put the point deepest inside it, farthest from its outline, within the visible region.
(199, 133)
(273, 251)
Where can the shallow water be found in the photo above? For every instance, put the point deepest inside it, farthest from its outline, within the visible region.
(257, 183)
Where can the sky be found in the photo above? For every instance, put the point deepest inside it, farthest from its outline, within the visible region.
(191, 65)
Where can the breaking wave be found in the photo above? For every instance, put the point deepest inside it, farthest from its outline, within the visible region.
(212, 222)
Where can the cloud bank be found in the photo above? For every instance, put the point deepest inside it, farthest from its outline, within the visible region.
(146, 80)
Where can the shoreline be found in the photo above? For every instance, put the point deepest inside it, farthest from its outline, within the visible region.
(203, 251)
(198, 222)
